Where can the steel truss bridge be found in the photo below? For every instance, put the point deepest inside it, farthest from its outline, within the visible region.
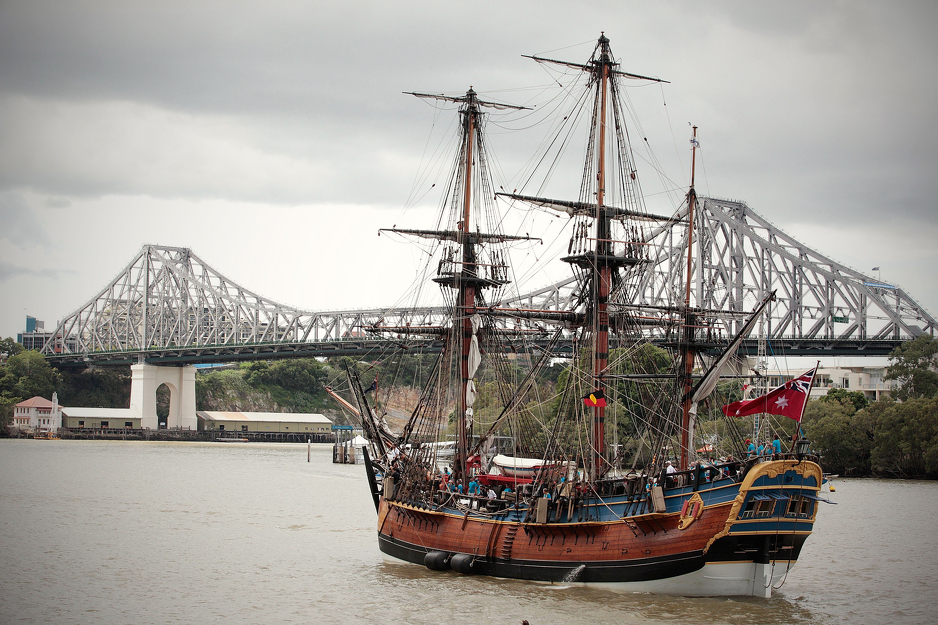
(169, 307)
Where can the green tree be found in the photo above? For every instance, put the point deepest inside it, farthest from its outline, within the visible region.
(10, 347)
(25, 375)
(296, 385)
(913, 364)
(405, 369)
(552, 373)
(857, 398)
(843, 436)
(7, 403)
(906, 437)
(341, 364)
(632, 403)
(300, 374)
(641, 401)
(228, 390)
(29, 375)
(105, 387)
(257, 373)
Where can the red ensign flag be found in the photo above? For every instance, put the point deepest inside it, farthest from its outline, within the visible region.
(788, 400)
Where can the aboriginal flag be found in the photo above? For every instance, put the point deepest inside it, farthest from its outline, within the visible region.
(595, 399)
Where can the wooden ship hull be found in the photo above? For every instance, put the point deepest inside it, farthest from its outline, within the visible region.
(744, 539)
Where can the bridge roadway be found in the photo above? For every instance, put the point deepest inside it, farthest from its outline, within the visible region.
(357, 347)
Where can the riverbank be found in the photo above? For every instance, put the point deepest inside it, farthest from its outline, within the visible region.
(146, 434)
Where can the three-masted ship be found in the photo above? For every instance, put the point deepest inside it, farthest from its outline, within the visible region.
(536, 488)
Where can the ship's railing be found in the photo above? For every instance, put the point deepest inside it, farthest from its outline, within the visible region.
(735, 470)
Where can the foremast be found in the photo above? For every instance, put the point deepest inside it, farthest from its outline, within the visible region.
(465, 272)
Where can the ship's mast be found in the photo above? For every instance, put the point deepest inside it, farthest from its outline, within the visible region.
(690, 319)
(465, 306)
(601, 263)
(466, 278)
(602, 274)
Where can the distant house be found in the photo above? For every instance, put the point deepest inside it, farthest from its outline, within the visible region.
(869, 380)
(302, 423)
(38, 414)
(41, 415)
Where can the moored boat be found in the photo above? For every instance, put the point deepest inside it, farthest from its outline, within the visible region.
(566, 503)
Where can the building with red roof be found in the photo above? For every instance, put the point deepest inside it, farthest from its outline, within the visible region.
(38, 414)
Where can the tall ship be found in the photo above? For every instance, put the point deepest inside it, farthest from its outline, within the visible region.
(503, 467)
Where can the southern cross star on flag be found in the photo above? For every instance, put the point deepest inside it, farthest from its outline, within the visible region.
(788, 400)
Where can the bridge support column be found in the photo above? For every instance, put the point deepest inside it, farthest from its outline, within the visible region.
(145, 379)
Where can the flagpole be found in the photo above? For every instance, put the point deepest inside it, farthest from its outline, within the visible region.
(800, 432)
(810, 386)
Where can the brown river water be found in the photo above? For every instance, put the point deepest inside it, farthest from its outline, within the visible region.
(135, 532)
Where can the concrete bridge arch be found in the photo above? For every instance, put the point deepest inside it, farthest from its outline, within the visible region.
(180, 381)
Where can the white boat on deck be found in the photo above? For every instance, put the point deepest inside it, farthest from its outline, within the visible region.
(442, 450)
(512, 466)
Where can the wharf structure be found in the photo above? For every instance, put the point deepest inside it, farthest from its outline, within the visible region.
(263, 422)
(38, 416)
(99, 418)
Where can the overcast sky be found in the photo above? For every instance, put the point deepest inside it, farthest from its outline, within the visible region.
(264, 135)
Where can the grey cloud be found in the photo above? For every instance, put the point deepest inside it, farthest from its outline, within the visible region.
(815, 113)
(57, 202)
(9, 271)
(18, 222)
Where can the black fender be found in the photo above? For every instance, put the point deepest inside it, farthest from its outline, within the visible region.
(463, 563)
(436, 560)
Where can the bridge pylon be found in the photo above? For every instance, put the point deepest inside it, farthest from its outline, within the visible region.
(146, 379)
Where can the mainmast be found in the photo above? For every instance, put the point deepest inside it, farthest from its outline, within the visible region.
(466, 285)
(602, 270)
(597, 259)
